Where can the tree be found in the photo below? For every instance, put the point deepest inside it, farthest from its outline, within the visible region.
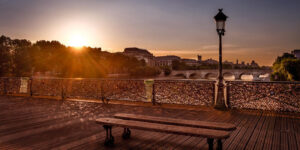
(5, 55)
(21, 58)
(286, 68)
(167, 71)
(144, 71)
(177, 65)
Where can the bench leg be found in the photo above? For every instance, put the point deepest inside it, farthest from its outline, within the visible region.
(220, 145)
(126, 134)
(109, 140)
(210, 143)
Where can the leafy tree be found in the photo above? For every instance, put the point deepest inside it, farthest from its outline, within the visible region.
(167, 71)
(144, 71)
(5, 55)
(178, 65)
(286, 68)
(21, 58)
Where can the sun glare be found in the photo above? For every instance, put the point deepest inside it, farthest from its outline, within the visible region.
(78, 41)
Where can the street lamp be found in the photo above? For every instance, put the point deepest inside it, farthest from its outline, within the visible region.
(220, 19)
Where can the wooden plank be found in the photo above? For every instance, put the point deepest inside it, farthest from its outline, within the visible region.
(231, 141)
(237, 142)
(97, 138)
(276, 135)
(255, 134)
(283, 134)
(50, 139)
(291, 134)
(140, 138)
(247, 134)
(173, 121)
(263, 133)
(203, 143)
(172, 140)
(161, 138)
(155, 141)
(156, 137)
(194, 142)
(238, 120)
(28, 122)
(165, 143)
(296, 123)
(202, 116)
(267, 145)
(24, 133)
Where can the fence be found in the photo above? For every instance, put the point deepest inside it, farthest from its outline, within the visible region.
(278, 96)
(275, 96)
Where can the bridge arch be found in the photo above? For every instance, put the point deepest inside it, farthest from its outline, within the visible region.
(194, 75)
(265, 76)
(228, 76)
(245, 74)
(180, 75)
(210, 75)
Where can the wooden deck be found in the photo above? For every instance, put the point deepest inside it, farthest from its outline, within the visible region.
(50, 124)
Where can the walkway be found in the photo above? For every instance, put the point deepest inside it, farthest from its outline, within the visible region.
(27, 123)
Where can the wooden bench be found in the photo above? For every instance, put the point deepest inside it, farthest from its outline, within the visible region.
(161, 126)
(180, 122)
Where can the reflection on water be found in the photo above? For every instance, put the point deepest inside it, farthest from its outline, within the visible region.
(229, 77)
(247, 77)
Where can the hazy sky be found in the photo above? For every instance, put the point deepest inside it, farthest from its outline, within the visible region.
(256, 29)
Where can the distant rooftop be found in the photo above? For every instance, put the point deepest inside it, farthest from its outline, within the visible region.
(167, 57)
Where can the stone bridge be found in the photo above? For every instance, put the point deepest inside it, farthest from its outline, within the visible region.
(207, 73)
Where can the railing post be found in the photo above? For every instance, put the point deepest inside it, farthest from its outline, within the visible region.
(150, 93)
(153, 93)
(102, 93)
(62, 90)
(227, 90)
(30, 86)
(5, 86)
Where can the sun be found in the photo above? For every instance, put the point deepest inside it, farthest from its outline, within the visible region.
(77, 41)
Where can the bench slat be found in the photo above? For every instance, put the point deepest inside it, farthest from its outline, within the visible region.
(181, 130)
(173, 121)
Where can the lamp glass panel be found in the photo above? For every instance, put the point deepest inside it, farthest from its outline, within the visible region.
(220, 25)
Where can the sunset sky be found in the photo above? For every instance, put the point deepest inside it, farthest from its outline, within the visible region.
(256, 29)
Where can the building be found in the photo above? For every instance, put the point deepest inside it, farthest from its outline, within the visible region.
(254, 64)
(296, 52)
(199, 58)
(210, 62)
(228, 63)
(190, 62)
(140, 54)
(166, 60)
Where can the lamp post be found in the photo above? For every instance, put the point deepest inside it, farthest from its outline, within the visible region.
(220, 19)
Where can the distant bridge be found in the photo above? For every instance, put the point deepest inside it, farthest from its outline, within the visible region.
(208, 73)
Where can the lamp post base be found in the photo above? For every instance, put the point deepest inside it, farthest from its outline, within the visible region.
(220, 96)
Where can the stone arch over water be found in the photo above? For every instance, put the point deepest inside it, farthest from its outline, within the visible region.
(210, 76)
(181, 76)
(246, 75)
(228, 76)
(194, 76)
